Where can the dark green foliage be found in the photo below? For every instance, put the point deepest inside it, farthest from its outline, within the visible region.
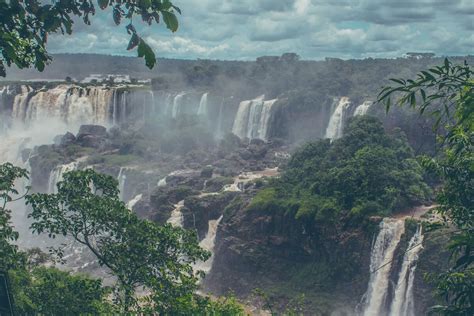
(366, 172)
(26, 25)
(10, 257)
(446, 92)
(137, 252)
(48, 291)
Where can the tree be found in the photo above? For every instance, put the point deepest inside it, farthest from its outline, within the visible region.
(49, 291)
(447, 93)
(26, 24)
(139, 253)
(10, 257)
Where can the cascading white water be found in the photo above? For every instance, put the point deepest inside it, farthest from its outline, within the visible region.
(177, 219)
(242, 179)
(252, 118)
(403, 302)
(208, 243)
(202, 110)
(122, 178)
(177, 104)
(381, 260)
(162, 182)
(336, 122)
(71, 104)
(57, 175)
(363, 108)
(123, 107)
(134, 201)
(168, 104)
(220, 117)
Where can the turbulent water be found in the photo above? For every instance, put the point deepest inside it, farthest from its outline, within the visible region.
(381, 299)
(177, 104)
(131, 204)
(252, 118)
(208, 243)
(336, 122)
(403, 303)
(202, 110)
(176, 219)
(363, 108)
(381, 261)
(57, 175)
(122, 178)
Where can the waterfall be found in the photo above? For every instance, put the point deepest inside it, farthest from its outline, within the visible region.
(134, 201)
(177, 103)
(168, 105)
(363, 108)
(114, 108)
(336, 122)
(123, 107)
(176, 219)
(122, 178)
(208, 243)
(381, 259)
(162, 182)
(265, 116)
(152, 100)
(57, 175)
(252, 118)
(403, 303)
(20, 103)
(70, 104)
(202, 110)
(219, 119)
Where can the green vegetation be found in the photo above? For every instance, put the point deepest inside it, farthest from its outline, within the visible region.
(48, 291)
(446, 92)
(26, 25)
(365, 173)
(138, 253)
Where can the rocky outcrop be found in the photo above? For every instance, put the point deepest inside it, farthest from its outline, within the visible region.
(199, 210)
(275, 251)
(91, 136)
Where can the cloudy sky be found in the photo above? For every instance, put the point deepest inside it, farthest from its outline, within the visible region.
(246, 29)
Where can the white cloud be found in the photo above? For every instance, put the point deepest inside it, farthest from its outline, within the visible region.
(228, 29)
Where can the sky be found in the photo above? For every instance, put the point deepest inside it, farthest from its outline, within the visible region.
(314, 29)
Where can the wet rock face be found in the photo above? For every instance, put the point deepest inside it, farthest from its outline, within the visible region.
(67, 139)
(96, 130)
(93, 136)
(198, 211)
(274, 250)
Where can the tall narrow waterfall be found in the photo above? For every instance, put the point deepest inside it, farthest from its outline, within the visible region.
(363, 108)
(220, 117)
(381, 259)
(202, 110)
(57, 175)
(177, 103)
(252, 118)
(208, 243)
(122, 178)
(131, 204)
(176, 219)
(336, 122)
(403, 302)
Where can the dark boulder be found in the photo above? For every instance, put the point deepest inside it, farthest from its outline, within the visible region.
(67, 139)
(92, 136)
(96, 130)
